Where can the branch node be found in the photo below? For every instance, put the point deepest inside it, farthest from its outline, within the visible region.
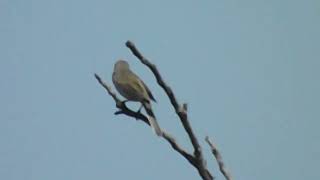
(185, 107)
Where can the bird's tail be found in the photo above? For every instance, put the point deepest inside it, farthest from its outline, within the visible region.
(152, 119)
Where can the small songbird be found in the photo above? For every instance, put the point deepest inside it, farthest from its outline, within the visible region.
(130, 86)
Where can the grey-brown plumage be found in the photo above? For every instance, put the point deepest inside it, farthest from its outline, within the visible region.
(130, 86)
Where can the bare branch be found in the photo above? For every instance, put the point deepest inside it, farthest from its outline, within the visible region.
(218, 157)
(155, 71)
(181, 111)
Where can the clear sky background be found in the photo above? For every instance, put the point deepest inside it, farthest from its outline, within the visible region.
(248, 69)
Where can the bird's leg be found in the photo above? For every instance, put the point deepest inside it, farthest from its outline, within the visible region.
(139, 110)
(125, 101)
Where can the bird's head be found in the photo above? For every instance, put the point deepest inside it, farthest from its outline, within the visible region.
(121, 65)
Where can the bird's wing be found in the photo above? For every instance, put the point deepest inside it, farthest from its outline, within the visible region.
(148, 91)
(144, 87)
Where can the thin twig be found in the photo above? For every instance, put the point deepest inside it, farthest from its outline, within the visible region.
(218, 157)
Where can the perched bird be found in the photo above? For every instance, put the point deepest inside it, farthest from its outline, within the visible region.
(130, 86)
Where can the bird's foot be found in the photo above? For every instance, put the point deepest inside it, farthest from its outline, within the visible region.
(139, 110)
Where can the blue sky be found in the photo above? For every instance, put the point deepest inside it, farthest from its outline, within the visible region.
(249, 71)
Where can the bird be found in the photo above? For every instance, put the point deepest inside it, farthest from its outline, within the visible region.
(131, 87)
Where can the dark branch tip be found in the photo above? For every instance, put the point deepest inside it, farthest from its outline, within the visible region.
(118, 112)
(129, 44)
(97, 76)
